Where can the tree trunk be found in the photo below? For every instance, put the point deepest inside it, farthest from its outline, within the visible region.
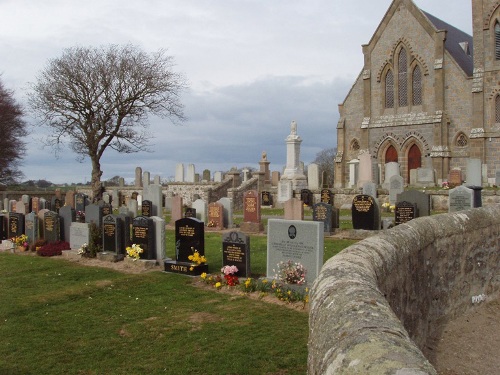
(95, 182)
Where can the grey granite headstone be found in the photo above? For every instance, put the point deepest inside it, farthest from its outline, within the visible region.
(370, 188)
(67, 215)
(460, 198)
(474, 171)
(201, 208)
(93, 214)
(159, 230)
(228, 211)
(396, 186)
(298, 241)
(79, 234)
(31, 227)
(154, 194)
(422, 200)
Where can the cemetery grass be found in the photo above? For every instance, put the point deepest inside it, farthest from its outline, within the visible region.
(57, 317)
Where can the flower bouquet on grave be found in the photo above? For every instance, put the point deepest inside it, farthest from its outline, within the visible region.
(80, 216)
(20, 242)
(134, 252)
(291, 273)
(230, 275)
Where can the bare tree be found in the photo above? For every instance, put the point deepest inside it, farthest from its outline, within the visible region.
(95, 98)
(13, 131)
(326, 163)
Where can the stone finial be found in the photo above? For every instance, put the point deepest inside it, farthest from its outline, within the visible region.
(293, 128)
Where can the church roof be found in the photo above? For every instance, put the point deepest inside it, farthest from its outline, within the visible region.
(457, 43)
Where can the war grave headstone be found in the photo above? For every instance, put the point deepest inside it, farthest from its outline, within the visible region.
(365, 213)
(20, 208)
(144, 236)
(404, 212)
(327, 196)
(306, 196)
(112, 238)
(323, 212)
(16, 224)
(460, 198)
(147, 208)
(227, 205)
(52, 226)
(190, 212)
(176, 210)
(67, 216)
(189, 236)
(396, 186)
(56, 204)
(420, 199)
(455, 177)
(79, 235)
(251, 213)
(160, 243)
(266, 198)
(294, 209)
(93, 214)
(285, 191)
(296, 241)
(215, 216)
(201, 208)
(236, 251)
(370, 188)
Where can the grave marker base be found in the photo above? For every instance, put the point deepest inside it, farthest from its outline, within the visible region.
(185, 268)
(109, 256)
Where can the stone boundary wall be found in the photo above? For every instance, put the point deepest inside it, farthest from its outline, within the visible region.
(236, 194)
(379, 305)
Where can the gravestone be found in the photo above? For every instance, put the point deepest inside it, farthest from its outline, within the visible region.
(266, 198)
(134, 195)
(206, 175)
(425, 177)
(236, 251)
(217, 176)
(306, 196)
(391, 169)
(285, 191)
(365, 213)
(297, 241)
(146, 179)
(35, 204)
(67, 215)
(455, 177)
(127, 230)
(179, 173)
(154, 194)
(147, 208)
(474, 172)
(25, 198)
(370, 189)
(79, 235)
(216, 216)
(201, 208)
(93, 214)
(190, 175)
(112, 235)
(144, 236)
(138, 177)
(132, 206)
(251, 213)
(106, 209)
(41, 218)
(313, 176)
(69, 199)
(323, 212)
(159, 229)
(365, 169)
(80, 202)
(421, 200)
(16, 224)
(404, 212)
(157, 180)
(275, 178)
(20, 208)
(51, 226)
(396, 186)
(460, 198)
(294, 209)
(327, 196)
(56, 204)
(227, 205)
(189, 236)
(190, 212)
(176, 209)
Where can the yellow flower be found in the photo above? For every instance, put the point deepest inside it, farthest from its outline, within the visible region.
(191, 268)
(218, 285)
(289, 292)
(247, 283)
(264, 281)
(203, 275)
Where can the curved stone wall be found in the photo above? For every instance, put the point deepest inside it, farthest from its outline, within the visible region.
(377, 307)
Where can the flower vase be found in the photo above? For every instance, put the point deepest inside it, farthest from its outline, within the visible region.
(20, 248)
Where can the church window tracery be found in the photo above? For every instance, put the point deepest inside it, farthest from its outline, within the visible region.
(417, 86)
(389, 89)
(497, 109)
(403, 78)
(461, 140)
(497, 40)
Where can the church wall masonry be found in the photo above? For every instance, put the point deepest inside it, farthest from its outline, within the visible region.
(378, 305)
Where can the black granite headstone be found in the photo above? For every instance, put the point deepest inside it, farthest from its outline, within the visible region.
(266, 198)
(16, 224)
(67, 215)
(147, 208)
(323, 212)
(56, 204)
(190, 212)
(189, 236)
(127, 226)
(112, 234)
(365, 213)
(144, 236)
(306, 196)
(421, 200)
(51, 226)
(404, 211)
(327, 196)
(236, 252)
(80, 202)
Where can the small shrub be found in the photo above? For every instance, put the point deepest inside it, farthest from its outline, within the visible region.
(52, 249)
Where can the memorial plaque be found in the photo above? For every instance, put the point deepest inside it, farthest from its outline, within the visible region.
(51, 226)
(189, 236)
(236, 252)
(147, 208)
(266, 198)
(16, 224)
(365, 213)
(112, 234)
(327, 196)
(143, 235)
(306, 196)
(323, 212)
(404, 212)
(216, 215)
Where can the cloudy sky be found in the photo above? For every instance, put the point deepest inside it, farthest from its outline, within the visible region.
(253, 66)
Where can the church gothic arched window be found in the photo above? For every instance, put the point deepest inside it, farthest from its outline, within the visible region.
(389, 89)
(497, 40)
(461, 140)
(416, 81)
(497, 109)
(403, 78)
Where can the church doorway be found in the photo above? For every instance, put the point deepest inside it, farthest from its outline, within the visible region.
(391, 155)
(414, 159)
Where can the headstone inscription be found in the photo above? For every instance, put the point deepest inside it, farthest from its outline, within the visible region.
(190, 212)
(147, 208)
(112, 234)
(189, 237)
(404, 212)
(460, 198)
(297, 241)
(251, 213)
(266, 198)
(16, 224)
(143, 235)
(327, 196)
(236, 251)
(306, 196)
(365, 213)
(323, 212)
(52, 226)
(215, 216)
(420, 199)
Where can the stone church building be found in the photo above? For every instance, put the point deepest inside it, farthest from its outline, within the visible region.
(428, 96)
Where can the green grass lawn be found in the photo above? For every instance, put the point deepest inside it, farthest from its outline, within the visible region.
(57, 317)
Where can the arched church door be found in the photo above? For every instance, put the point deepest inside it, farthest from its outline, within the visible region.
(414, 159)
(391, 155)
